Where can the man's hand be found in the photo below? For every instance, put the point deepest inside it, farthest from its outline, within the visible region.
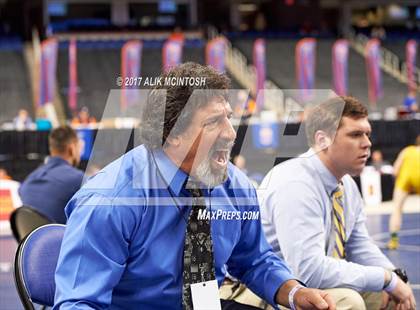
(304, 298)
(308, 298)
(385, 300)
(403, 296)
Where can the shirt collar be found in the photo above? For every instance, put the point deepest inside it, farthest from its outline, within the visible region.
(56, 160)
(173, 176)
(329, 181)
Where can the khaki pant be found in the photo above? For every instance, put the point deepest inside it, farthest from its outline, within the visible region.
(345, 298)
(348, 299)
(240, 293)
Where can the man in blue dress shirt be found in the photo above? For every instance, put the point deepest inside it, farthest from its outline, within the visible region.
(312, 212)
(125, 241)
(49, 187)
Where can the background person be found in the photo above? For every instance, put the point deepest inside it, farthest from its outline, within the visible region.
(312, 212)
(23, 121)
(50, 187)
(83, 118)
(407, 172)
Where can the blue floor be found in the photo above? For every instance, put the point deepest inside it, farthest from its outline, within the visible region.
(407, 257)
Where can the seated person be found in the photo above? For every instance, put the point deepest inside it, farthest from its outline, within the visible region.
(136, 237)
(410, 102)
(312, 212)
(83, 118)
(50, 186)
(23, 121)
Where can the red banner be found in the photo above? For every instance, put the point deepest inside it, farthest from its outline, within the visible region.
(340, 54)
(260, 67)
(215, 54)
(410, 55)
(171, 54)
(130, 72)
(72, 93)
(305, 66)
(47, 71)
(373, 69)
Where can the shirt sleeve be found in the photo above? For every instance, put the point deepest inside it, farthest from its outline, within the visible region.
(253, 261)
(360, 247)
(93, 253)
(298, 216)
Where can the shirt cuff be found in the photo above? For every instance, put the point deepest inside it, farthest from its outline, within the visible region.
(375, 278)
(274, 280)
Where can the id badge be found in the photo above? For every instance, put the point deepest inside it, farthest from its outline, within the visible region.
(205, 295)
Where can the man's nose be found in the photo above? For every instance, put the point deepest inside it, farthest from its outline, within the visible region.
(366, 142)
(228, 132)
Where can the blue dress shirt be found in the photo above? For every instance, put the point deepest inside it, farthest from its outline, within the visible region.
(49, 187)
(124, 240)
(296, 213)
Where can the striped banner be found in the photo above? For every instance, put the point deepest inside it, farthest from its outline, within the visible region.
(47, 73)
(260, 68)
(372, 55)
(340, 53)
(305, 66)
(130, 71)
(72, 93)
(171, 54)
(215, 54)
(410, 58)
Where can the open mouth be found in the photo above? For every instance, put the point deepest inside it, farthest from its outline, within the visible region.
(220, 157)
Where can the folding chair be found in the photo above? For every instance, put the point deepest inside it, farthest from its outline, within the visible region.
(35, 263)
(25, 219)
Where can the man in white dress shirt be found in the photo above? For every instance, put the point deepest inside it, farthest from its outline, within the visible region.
(312, 213)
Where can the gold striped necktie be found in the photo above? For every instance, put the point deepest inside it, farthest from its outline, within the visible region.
(339, 222)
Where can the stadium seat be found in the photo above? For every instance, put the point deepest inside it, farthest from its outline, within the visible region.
(25, 219)
(35, 263)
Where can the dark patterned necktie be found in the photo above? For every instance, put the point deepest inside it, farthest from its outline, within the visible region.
(339, 223)
(198, 250)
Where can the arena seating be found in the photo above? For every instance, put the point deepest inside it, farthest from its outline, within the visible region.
(281, 69)
(15, 93)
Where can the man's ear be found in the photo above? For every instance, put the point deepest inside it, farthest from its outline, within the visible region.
(322, 140)
(71, 150)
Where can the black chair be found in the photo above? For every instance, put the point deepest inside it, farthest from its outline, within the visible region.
(35, 263)
(25, 219)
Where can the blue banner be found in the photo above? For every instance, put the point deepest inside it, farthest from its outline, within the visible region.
(86, 138)
(215, 54)
(48, 66)
(372, 55)
(305, 66)
(130, 71)
(340, 54)
(265, 135)
(172, 54)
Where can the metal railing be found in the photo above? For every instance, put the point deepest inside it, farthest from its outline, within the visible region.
(389, 61)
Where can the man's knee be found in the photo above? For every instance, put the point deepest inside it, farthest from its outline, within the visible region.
(347, 299)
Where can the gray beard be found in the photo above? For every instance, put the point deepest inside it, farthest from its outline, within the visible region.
(209, 177)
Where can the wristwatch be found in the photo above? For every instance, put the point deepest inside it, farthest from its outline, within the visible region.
(402, 274)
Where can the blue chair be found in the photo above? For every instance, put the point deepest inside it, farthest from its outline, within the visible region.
(35, 263)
